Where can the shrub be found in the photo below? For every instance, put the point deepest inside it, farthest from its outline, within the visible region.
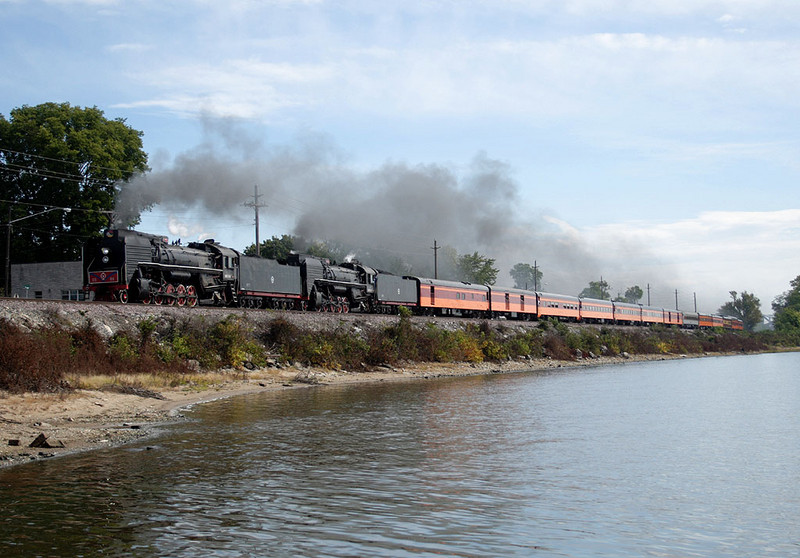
(234, 343)
(556, 348)
(33, 361)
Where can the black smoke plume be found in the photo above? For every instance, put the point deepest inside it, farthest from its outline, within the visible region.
(388, 216)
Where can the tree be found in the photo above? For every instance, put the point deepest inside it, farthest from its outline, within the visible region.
(56, 155)
(526, 276)
(327, 250)
(632, 295)
(475, 268)
(746, 307)
(274, 248)
(787, 308)
(596, 289)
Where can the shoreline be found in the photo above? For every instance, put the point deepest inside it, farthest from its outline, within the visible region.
(85, 420)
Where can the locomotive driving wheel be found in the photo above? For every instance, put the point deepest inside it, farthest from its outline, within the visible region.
(123, 296)
(169, 295)
(191, 296)
(181, 295)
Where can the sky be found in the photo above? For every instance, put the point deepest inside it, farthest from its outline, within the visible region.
(647, 142)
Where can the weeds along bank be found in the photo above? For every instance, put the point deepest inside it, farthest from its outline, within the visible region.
(51, 346)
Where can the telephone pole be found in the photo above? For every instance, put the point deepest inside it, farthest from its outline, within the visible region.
(435, 249)
(255, 205)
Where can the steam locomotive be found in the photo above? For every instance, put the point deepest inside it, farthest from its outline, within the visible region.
(130, 266)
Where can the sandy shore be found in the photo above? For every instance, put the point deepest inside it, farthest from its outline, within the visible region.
(82, 420)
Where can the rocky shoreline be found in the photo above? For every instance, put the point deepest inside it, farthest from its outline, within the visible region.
(83, 420)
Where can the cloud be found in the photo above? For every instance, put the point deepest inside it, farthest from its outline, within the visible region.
(246, 88)
(638, 79)
(99, 3)
(130, 47)
(715, 252)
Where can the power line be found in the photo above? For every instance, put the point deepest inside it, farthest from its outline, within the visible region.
(79, 164)
(55, 175)
(48, 205)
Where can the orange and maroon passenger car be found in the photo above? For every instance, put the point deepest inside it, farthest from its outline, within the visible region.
(437, 297)
(513, 303)
(596, 310)
(558, 306)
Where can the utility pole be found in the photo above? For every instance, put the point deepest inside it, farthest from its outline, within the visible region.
(676, 299)
(648, 294)
(535, 276)
(435, 259)
(255, 205)
(7, 268)
(695, 302)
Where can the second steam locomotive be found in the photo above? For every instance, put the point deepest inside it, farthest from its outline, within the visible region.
(126, 265)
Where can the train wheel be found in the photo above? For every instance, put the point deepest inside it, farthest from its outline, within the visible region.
(159, 297)
(181, 293)
(169, 295)
(191, 296)
(123, 296)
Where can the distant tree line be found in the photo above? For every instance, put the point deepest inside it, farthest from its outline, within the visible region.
(746, 307)
(787, 309)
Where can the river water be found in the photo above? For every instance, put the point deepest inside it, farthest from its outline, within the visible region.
(695, 457)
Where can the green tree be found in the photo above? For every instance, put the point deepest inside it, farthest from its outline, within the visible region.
(746, 307)
(787, 308)
(476, 268)
(56, 155)
(596, 289)
(526, 276)
(275, 248)
(632, 295)
(325, 249)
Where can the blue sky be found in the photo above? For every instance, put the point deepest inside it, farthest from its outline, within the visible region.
(647, 141)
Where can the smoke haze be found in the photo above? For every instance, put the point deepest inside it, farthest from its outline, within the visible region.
(388, 216)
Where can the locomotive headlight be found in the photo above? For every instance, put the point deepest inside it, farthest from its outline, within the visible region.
(105, 251)
(105, 259)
